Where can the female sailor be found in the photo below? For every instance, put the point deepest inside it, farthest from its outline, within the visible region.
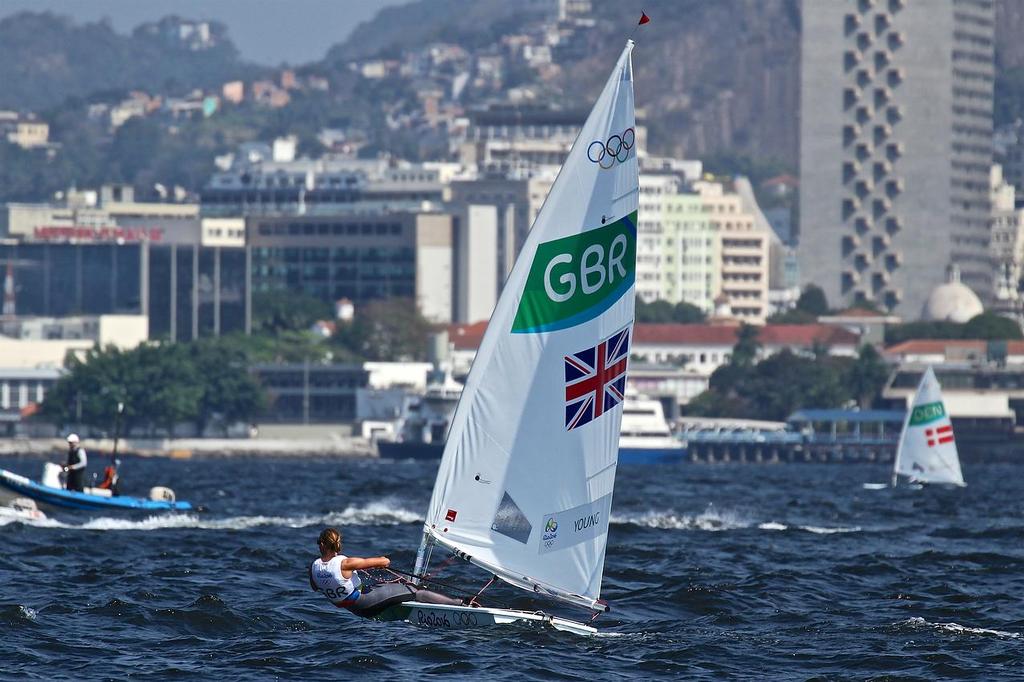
(335, 575)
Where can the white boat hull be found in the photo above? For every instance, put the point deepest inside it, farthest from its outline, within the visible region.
(469, 617)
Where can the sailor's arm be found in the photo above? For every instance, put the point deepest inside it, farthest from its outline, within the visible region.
(356, 564)
(311, 583)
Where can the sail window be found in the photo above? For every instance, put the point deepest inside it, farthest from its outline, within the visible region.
(510, 521)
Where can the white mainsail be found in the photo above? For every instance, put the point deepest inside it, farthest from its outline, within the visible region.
(525, 484)
(927, 451)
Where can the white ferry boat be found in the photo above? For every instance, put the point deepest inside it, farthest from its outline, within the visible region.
(645, 437)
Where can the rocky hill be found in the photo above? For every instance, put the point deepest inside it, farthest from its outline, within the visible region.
(715, 78)
(45, 59)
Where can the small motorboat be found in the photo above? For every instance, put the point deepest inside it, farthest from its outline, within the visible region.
(51, 491)
(22, 509)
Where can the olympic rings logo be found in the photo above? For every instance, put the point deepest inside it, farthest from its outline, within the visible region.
(617, 148)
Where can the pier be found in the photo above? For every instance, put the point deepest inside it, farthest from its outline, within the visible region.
(833, 435)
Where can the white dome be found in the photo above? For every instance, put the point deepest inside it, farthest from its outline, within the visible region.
(953, 302)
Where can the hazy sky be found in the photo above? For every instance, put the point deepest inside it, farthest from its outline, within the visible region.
(265, 31)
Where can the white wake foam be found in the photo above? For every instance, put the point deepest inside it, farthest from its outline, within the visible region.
(714, 519)
(711, 519)
(379, 513)
(817, 530)
(957, 629)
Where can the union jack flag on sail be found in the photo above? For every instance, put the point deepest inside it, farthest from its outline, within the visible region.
(595, 379)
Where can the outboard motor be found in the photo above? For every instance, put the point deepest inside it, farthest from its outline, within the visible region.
(159, 493)
(51, 475)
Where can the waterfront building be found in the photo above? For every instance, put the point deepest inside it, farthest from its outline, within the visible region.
(952, 302)
(475, 278)
(744, 252)
(186, 290)
(678, 251)
(984, 400)
(359, 257)
(110, 214)
(696, 350)
(308, 393)
(699, 242)
(265, 180)
(869, 325)
(896, 145)
(1007, 244)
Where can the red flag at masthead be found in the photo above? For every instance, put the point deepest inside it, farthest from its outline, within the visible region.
(644, 19)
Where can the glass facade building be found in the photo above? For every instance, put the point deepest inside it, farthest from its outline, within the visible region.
(187, 291)
(361, 258)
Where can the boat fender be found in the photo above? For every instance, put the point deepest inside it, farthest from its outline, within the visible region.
(159, 493)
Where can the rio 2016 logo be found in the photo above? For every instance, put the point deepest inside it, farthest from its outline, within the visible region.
(576, 278)
(550, 533)
(438, 620)
(613, 150)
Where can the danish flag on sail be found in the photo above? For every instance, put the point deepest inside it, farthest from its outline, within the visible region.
(943, 434)
(595, 379)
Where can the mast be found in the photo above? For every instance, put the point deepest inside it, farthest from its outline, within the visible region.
(903, 437)
(423, 556)
(524, 488)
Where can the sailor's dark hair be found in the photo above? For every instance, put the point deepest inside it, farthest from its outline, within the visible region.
(330, 538)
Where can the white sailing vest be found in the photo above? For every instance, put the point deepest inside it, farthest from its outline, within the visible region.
(332, 584)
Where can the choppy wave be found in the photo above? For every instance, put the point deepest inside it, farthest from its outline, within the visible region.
(918, 623)
(714, 519)
(711, 519)
(817, 530)
(380, 513)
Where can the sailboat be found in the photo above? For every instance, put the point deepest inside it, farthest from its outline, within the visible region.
(524, 488)
(927, 450)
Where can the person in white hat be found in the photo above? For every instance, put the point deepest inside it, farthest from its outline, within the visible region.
(75, 467)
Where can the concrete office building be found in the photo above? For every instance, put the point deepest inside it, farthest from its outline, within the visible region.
(359, 257)
(678, 252)
(744, 250)
(896, 145)
(475, 273)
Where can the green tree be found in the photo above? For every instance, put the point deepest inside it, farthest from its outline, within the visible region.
(988, 326)
(161, 384)
(230, 392)
(654, 312)
(793, 316)
(812, 301)
(898, 333)
(991, 326)
(866, 376)
(136, 143)
(660, 311)
(773, 388)
(274, 312)
(389, 329)
(747, 346)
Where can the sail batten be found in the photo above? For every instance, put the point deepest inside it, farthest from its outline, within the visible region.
(525, 484)
(927, 450)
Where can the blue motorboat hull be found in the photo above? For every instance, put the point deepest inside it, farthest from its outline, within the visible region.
(406, 450)
(651, 455)
(69, 499)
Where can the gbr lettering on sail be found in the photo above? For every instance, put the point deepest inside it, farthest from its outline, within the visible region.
(576, 278)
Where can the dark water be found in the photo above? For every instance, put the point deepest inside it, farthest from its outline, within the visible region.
(781, 572)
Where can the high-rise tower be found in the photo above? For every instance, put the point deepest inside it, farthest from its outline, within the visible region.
(895, 148)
